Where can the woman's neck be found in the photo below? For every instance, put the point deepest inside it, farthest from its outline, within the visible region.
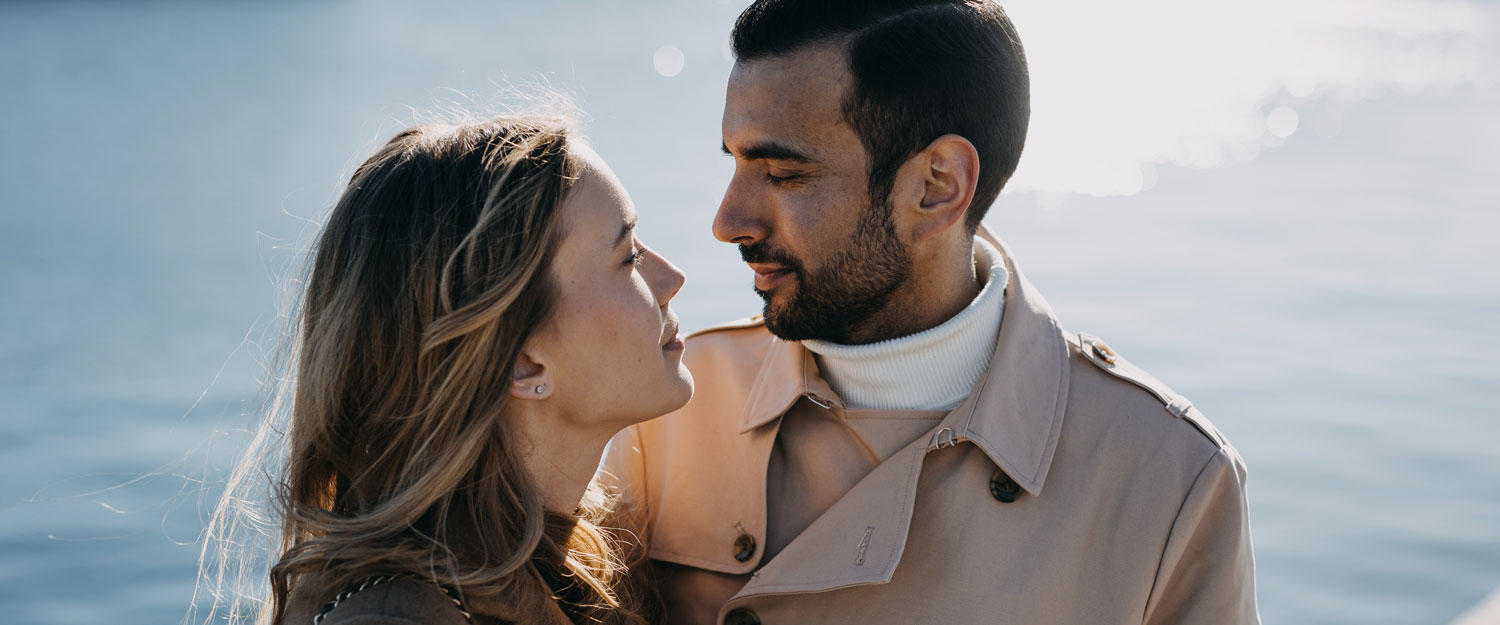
(561, 458)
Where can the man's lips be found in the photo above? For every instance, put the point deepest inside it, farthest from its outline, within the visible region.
(767, 275)
(766, 269)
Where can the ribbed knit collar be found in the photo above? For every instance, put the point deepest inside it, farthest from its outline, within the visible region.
(931, 370)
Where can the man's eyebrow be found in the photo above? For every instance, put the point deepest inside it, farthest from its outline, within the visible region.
(626, 229)
(772, 151)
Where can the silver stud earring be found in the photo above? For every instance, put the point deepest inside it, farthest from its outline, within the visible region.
(539, 389)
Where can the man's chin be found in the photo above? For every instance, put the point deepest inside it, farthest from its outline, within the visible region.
(783, 322)
(784, 315)
(772, 310)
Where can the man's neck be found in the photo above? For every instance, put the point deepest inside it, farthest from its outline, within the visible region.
(943, 281)
(928, 370)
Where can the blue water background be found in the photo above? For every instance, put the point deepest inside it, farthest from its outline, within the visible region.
(1331, 304)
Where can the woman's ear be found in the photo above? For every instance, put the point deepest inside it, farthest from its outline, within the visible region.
(529, 379)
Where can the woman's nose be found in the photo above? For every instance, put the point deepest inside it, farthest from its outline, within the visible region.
(669, 279)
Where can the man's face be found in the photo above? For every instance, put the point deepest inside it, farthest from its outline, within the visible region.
(825, 257)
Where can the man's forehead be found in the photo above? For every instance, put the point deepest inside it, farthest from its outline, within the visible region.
(796, 98)
(825, 60)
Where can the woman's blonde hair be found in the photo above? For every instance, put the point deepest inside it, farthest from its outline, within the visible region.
(429, 276)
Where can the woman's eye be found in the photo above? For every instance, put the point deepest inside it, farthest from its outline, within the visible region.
(636, 257)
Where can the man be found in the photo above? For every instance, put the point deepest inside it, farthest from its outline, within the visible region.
(907, 435)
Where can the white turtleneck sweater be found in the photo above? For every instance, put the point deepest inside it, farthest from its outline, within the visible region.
(931, 370)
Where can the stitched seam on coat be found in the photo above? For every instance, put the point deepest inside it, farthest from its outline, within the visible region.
(904, 524)
(839, 582)
(1155, 579)
(1052, 419)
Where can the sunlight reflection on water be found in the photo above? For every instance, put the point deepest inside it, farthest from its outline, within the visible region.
(1187, 83)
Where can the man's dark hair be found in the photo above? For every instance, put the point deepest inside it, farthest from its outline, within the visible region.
(921, 69)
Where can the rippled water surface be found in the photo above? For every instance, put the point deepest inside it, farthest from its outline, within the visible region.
(1285, 209)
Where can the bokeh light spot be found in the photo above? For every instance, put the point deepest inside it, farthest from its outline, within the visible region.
(1282, 121)
(668, 60)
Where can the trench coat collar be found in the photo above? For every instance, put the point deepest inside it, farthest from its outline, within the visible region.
(1014, 415)
(1014, 412)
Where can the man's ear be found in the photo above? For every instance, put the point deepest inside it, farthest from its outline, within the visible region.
(529, 379)
(949, 167)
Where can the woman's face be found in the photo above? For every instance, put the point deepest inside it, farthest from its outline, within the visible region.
(611, 348)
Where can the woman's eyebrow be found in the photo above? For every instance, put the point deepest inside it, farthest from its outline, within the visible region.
(625, 230)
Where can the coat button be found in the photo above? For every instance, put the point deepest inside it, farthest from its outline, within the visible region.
(741, 616)
(744, 547)
(1105, 353)
(1004, 488)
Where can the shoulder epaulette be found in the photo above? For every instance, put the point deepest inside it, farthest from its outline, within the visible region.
(1178, 406)
(738, 324)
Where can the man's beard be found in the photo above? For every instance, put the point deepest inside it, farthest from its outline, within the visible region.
(852, 286)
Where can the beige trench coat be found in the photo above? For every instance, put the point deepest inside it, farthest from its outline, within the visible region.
(1070, 487)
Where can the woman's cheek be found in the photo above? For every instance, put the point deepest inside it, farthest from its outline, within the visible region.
(627, 323)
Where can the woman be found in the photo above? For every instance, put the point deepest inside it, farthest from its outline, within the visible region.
(480, 319)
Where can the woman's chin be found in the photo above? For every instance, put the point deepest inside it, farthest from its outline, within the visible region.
(682, 388)
(670, 393)
(674, 393)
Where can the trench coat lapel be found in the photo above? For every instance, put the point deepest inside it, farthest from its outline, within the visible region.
(1014, 415)
(1015, 411)
(783, 378)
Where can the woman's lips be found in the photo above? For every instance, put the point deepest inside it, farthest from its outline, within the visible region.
(674, 342)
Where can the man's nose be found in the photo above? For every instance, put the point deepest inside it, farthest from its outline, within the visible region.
(738, 219)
